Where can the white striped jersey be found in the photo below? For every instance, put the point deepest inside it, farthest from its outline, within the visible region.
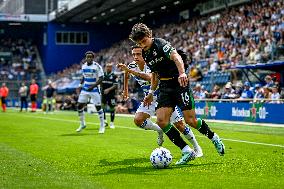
(145, 85)
(91, 73)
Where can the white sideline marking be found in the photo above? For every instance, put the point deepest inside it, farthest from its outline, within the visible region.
(207, 120)
(91, 123)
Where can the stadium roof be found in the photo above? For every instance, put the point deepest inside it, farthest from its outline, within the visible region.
(115, 11)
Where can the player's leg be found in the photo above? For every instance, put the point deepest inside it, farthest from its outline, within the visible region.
(142, 120)
(111, 103)
(96, 98)
(104, 106)
(33, 102)
(82, 100)
(187, 105)
(3, 99)
(177, 120)
(22, 103)
(46, 105)
(25, 103)
(163, 120)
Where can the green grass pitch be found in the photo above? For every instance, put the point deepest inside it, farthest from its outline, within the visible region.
(44, 151)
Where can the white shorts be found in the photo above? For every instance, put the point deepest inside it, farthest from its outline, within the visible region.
(94, 97)
(151, 110)
(176, 116)
(147, 110)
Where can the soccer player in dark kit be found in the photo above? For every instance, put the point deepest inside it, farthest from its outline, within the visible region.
(168, 72)
(109, 85)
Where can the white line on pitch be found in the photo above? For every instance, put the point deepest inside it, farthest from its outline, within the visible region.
(91, 123)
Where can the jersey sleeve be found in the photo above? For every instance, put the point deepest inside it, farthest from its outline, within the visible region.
(147, 69)
(115, 80)
(100, 71)
(165, 47)
(132, 66)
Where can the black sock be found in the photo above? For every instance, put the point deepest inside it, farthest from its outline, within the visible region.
(112, 114)
(205, 130)
(174, 136)
(104, 114)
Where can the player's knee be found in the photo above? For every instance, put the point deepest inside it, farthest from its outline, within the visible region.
(138, 121)
(162, 123)
(99, 107)
(190, 121)
(80, 107)
(179, 125)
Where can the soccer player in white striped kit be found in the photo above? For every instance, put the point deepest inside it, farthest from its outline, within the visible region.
(92, 77)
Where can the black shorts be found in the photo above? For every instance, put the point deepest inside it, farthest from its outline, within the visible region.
(172, 94)
(33, 97)
(23, 99)
(3, 100)
(109, 100)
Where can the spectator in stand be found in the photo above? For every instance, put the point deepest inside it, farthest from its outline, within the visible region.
(23, 93)
(247, 93)
(228, 92)
(238, 90)
(258, 92)
(266, 93)
(33, 95)
(198, 93)
(275, 96)
(4, 92)
(195, 73)
(216, 93)
(268, 80)
(214, 66)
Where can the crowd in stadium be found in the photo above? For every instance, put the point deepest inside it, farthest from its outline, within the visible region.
(246, 34)
(215, 44)
(18, 60)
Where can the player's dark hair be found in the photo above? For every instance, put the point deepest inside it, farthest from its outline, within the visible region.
(135, 47)
(139, 31)
(183, 55)
(91, 53)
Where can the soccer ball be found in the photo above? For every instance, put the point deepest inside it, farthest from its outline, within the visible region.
(161, 158)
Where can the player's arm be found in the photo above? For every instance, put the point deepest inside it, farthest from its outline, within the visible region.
(99, 81)
(183, 80)
(144, 76)
(154, 83)
(81, 82)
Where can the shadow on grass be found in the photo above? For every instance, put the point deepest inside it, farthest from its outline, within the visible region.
(77, 134)
(137, 166)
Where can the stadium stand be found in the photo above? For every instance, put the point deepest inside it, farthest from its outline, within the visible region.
(216, 43)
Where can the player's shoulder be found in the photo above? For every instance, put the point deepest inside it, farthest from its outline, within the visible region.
(160, 42)
(132, 65)
(96, 64)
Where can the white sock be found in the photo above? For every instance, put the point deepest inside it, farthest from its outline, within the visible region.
(101, 117)
(149, 125)
(186, 149)
(215, 137)
(82, 118)
(188, 134)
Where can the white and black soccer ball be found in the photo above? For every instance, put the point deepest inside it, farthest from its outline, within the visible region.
(161, 158)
